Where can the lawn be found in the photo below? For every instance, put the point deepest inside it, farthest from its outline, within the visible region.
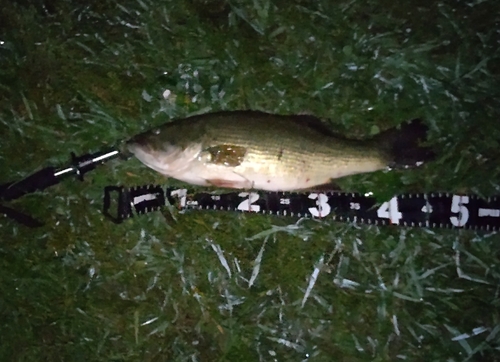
(80, 76)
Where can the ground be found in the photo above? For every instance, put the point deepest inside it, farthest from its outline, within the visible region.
(80, 76)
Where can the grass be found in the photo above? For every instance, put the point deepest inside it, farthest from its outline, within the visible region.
(79, 76)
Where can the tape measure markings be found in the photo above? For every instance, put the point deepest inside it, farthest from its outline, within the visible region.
(422, 210)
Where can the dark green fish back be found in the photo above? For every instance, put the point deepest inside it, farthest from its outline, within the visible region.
(277, 136)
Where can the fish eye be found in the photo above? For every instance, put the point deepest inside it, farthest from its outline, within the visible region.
(157, 131)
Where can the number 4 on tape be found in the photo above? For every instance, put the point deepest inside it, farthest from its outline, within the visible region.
(389, 210)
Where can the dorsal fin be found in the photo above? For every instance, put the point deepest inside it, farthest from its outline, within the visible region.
(313, 123)
(304, 119)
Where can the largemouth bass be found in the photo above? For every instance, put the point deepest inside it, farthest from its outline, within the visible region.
(256, 150)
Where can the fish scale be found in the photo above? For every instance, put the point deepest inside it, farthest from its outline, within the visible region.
(272, 134)
(248, 149)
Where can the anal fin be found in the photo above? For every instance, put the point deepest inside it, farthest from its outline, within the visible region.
(230, 184)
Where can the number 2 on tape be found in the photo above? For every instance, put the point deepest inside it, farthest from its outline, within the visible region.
(246, 205)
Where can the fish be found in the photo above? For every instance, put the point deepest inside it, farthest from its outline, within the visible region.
(255, 150)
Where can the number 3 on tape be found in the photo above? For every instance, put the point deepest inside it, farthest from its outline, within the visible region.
(323, 208)
(389, 210)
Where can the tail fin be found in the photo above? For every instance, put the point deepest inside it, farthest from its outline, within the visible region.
(403, 145)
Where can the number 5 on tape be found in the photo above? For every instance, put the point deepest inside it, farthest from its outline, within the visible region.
(458, 207)
(389, 210)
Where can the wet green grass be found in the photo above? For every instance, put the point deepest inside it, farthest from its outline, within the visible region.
(78, 76)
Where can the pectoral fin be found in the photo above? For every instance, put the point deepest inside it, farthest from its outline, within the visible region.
(227, 155)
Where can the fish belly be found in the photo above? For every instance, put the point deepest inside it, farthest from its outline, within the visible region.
(269, 178)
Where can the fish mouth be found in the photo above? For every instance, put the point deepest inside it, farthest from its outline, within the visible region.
(133, 147)
(138, 145)
(143, 153)
(162, 161)
(126, 152)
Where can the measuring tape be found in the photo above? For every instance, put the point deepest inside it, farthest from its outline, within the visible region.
(440, 210)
